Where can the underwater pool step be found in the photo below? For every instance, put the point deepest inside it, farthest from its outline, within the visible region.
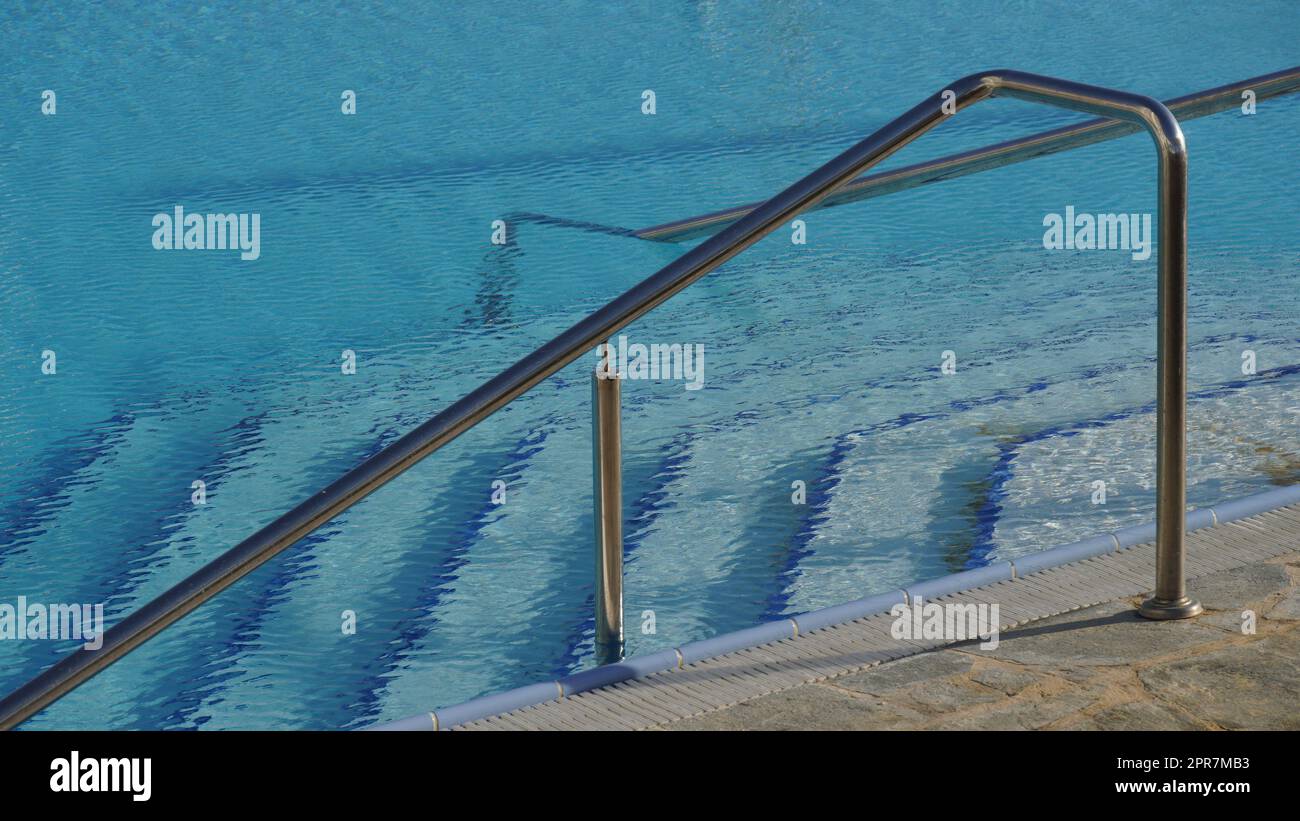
(670, 685)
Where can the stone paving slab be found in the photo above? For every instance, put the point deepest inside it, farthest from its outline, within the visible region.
(1096, 668)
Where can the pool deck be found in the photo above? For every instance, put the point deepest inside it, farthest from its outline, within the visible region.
(1072, 654)
(1097, 668)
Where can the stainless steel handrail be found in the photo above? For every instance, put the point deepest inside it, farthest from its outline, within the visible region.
(1187, 107)
(607, 500)
(361, 481)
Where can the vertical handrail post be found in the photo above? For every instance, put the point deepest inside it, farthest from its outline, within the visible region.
(607, 470)
(1171, 600)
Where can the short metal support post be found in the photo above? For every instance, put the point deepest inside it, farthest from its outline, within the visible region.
(607, 465)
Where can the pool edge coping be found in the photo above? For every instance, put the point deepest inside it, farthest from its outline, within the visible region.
(791, 627)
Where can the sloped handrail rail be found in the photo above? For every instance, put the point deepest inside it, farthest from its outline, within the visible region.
(1169, 602)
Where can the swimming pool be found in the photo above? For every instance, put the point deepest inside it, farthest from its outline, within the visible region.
(822, 360)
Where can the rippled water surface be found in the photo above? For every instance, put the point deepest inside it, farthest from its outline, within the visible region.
(822, 360)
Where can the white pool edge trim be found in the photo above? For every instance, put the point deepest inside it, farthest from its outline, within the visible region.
(789, 628)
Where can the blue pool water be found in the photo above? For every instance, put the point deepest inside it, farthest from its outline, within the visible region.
(822, 360)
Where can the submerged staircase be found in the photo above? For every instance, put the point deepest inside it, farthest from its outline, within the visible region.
(738, 228)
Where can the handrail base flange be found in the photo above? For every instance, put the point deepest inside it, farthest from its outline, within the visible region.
(1165, 610)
